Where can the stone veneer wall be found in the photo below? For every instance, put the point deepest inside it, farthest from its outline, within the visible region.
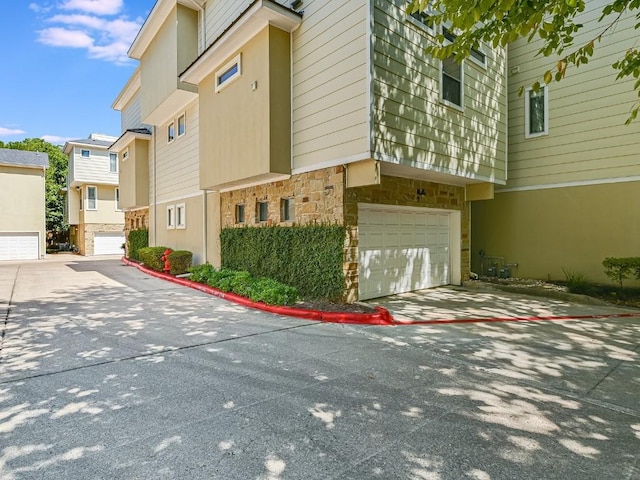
(134, 220)
(87, 232)
(321, 196)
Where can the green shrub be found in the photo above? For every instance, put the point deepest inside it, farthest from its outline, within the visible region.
(619, 269)
(180, 261)
(152, 257)
(137, 239)
(309, 258)
(201, 273)
(272, 292)
(576, 282)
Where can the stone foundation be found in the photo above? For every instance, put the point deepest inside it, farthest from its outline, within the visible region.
(87, 231)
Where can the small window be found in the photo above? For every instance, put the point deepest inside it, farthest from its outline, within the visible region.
(287, 210)
(117, 199)
(171, 216)
(536, 112)
(113, 163)
(182, 124)
(125, 154)
(421, 19)
(181, 219)
(92, 198)
(478, 57)
(451, 85)
(86, 153)
(239, 213)
(171, 132)
(262, 215)
(228, 73)
(81, 201)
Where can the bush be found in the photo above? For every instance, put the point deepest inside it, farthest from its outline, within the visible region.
(619, 269)
(152, 257)
(309, 258)
(264, 290)
(137, 239)
(180, 262)
(576, 282)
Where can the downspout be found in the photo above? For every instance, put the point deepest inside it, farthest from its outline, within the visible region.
(205, 232)
(155, 188)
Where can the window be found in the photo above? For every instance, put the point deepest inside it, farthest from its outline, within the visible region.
(171, 216)
(92, 198)
(81, 199)
(451, 88)
(239, 213)
(536, 112)
(478, 57)
(125, 154)
(117, 199)
(181, 219)
(287, 210)
(421, 19)
(86, 153)
(182, 124)
(228, 73)
(262, 213)
(171, 133)
(113, 163)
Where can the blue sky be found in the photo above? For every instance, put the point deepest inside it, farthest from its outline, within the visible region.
(63, 64)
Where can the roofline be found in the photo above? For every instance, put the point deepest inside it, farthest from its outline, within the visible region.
(126, 138)
(128, 91)
(80, 144)
(22, 165)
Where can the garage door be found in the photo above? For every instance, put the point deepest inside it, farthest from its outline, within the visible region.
(19, 246)
(402, 249)
(108, 243)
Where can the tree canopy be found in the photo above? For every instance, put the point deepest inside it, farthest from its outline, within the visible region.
(554, 22)
(56, 179)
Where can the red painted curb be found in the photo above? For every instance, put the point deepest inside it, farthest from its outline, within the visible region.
(381, 317)
(517, 319)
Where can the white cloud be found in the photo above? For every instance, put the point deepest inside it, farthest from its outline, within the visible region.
(39, 8)
(55, 140)
(103, 38)
(7, 132)
(98, 7)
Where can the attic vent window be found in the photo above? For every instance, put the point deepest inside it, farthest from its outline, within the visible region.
(228, 73)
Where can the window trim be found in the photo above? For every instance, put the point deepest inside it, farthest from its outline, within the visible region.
(125, 154)
(527, 113)
(222, 71)
(182, 116)
(482, 51)
(116, 198)
(418, 22)
(88, 155)
(170, 217)
(171, 132)
(181, 216)
(444, 101)
(113, 156)
(259, 203)
(88, 207)
(241, 207)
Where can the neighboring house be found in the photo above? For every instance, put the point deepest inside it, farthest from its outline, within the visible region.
(573, 194)
(93, 197)
(250, 113)
(22, 196)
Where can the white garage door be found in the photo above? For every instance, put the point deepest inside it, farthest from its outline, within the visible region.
(19, 246)
(108, 243)
(402, 249)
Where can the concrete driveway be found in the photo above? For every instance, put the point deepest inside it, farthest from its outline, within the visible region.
(106, 373)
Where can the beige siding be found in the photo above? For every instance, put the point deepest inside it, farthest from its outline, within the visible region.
(134, 176)
(22, 200)
(94, 169)
(330, 83)
(587, 139)
(222, 13)
(106, 211)
(131, 115)
(412, 126)
(176, 168)
(73, 206)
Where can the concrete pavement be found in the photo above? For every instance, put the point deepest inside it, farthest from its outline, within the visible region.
(108, 373)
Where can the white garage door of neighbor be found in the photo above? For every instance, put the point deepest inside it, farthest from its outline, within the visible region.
(402, 249)
(19, 246)
(105, 243)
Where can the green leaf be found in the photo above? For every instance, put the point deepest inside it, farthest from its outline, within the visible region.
(548, 77)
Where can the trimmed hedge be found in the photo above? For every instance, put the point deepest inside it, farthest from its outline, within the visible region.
(180, 262)
(263, 290)
(152, 257)
(619, 269)
(137, 239)
(309, 258)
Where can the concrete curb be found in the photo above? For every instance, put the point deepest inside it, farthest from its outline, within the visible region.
(380, 318)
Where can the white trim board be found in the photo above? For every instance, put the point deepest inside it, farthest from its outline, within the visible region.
(580, 183)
